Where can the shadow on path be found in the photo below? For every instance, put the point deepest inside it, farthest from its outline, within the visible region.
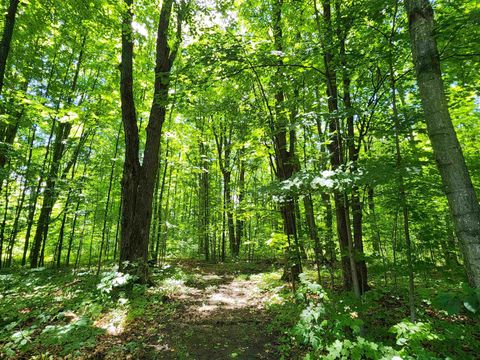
(218, 317)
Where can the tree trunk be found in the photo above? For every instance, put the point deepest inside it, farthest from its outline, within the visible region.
(459, 190)
(7, 131)
(285, 156)
(34, 196)
(107, 203)
(224, 141)
(75, 218)
(4, 220)
(353, 155)
(158, 217)
(14, 233)
(139, 179)
(313, 232)
(241, 195)
(335, 146)
(403, 195)
(204, 231)
(50, 194)
(10, 17)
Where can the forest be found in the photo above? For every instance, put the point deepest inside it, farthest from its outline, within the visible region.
(250, 179)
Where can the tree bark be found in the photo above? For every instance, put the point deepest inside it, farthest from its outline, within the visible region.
(456, 180)
(139, 179)
(6, 42)
(335, 146)
(285, 155)
(7, 131)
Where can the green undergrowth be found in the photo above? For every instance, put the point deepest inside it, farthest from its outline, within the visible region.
(61, 313)
(52, 314)
(317, 322)
(47, 313)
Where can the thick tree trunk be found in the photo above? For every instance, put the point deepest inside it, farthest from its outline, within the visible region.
(139, 179)
(459, 190)
(50, 194)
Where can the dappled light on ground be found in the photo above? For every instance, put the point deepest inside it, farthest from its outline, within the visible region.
(113, 322)
(205, 316)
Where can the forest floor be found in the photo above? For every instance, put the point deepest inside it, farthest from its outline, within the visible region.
(193, 310)
(216, 313)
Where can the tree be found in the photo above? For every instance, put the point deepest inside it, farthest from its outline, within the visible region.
(7, 131)
(456, 180)
(139, 177)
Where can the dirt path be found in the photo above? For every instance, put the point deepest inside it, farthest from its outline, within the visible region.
(215, 317)
(224, 320)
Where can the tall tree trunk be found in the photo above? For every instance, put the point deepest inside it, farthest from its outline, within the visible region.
(459, 190)
(313, 232)
(35, 194)
(50, 194)
(14, 233)
(285, 154)
(7, 131)
(107, 203)
(330, 253)
(399, 164)
(224, 142)
(158, 217)
(230, 223)
(204, 203)
(7, 35)
(403, 195)
(335, 146)
(138, 182)
(353, 155)
(4, 218)
(241, 196)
